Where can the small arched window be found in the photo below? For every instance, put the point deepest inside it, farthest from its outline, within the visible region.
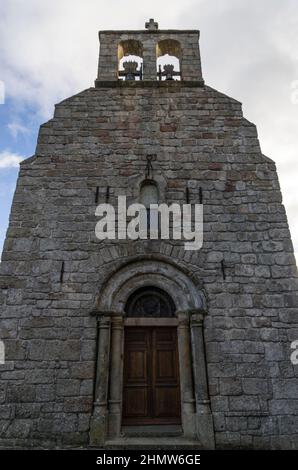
(168, 55)
(130, 60)
(149, 193)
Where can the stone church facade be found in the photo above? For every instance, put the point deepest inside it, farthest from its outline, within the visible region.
(114, 343)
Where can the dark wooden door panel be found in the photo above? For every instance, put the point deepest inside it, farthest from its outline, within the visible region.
(136, 373)
(165, 389)
(165, 365)
(151, 390)
(135, 402)
(138, 370)
(167, 403)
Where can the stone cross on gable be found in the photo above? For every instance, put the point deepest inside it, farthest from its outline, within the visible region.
(151, 25)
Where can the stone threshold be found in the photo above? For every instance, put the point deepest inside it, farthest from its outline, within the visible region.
(163, 443)
(151, 437)
(152, 431)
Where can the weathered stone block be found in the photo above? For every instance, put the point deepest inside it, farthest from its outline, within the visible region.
(255, 386)
(20, 393)
(244, 403)
(230, 386)
(67, 387)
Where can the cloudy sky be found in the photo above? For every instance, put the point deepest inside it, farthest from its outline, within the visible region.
(249, 49)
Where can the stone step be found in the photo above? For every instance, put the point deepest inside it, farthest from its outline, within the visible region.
(152, 431)
(157, 443)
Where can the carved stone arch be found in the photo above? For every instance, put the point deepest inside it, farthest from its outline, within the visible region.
(116, 291)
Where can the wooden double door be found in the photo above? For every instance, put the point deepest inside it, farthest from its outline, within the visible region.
(151, 388)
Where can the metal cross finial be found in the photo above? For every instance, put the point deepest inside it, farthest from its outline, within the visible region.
(151, 25)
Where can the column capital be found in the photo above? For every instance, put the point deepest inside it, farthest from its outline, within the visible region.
(183, 319)
(197, 319)
(193, 316)
(117, 321)
(101, 314)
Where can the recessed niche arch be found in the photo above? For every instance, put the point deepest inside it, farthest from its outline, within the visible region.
(168, 59)
(130, 60)
(149, 193)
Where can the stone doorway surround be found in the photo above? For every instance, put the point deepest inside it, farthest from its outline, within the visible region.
(197, 423)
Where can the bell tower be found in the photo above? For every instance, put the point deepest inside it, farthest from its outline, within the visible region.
(147, 47)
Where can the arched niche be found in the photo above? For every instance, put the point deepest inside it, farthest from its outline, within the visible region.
(130, 60)
(149, 193)
(168, 59)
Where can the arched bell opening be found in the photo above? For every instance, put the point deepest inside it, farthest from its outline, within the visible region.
(168, 59)
(130, 60)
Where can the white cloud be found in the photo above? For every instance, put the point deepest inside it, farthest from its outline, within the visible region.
(49, 49)
(2, 92)
(9, 159)
(16, 128)
(249, 51)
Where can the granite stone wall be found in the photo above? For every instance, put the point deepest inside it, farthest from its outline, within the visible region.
(53, 266)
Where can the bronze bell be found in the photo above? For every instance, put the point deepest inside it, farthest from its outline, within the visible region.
(169, 69)
(130, 68)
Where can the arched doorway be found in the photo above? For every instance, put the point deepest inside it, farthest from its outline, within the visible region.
(128, 293)
(151, 383)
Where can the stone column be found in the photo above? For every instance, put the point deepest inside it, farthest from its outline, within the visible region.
(204, 422)
(186, 381)
(116, 373)
(149, 59)
(98, 425)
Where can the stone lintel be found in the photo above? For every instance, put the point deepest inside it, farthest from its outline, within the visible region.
(152, 321)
